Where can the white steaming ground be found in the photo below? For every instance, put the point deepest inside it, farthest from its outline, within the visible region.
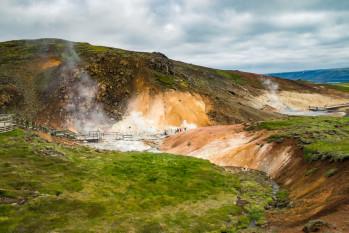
(274, 99)
(275, 102)
(109, 143)
(85, 114)
(136, 123)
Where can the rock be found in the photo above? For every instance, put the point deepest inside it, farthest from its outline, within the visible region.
(47, 151)
(7, 200)
(332, 132)
(21, 201)
(123, 63)
(161, 63)
(240, 202)
(315, 226)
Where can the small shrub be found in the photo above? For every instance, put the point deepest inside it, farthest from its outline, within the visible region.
(256, 215)
(311, 171)
(282, 199)
(315, 226)
(165, 79)
(276, 138)
(58, 193)
(331, 172)
(243, 222)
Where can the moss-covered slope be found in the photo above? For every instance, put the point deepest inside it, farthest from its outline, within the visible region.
(47, 187)
(320, 137)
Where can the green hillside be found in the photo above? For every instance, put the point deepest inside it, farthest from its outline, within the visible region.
(48, 187)
(320, 137)
(36, 76)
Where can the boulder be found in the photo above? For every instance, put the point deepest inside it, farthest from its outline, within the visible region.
(161, 63)
(315, 226)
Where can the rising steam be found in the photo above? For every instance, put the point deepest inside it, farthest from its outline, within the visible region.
(84, 113)
(275, 102)
(274, 99)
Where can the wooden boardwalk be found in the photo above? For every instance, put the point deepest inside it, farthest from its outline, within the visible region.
(7, 123)
(329, 107)
(91, 136)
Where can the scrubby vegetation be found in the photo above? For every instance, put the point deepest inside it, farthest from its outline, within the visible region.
(230, 75)
(341, 86)
(282, 199)
(321, 137)
(311, 171)
(331, 172)
(47, 187)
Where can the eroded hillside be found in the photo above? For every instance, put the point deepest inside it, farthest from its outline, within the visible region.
(141, 96)
(47, 80)
(307, 156)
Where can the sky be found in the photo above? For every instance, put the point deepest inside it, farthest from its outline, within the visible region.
(262, 36)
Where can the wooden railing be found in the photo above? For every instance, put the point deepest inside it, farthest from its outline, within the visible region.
(7, 123)
(328, 107)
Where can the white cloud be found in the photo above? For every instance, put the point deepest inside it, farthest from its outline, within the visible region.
(232, 34)
(300, 19)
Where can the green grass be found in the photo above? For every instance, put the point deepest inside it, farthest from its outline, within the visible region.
(331, 172)
(340, 86)
(282, 195)
(14, 51)
(321, 137)
(230, 75)
(89, 191)
(311, 171)
(165, 80)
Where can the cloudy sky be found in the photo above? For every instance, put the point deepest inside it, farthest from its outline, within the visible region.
(253, 35)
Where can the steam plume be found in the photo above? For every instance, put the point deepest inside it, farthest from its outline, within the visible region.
(84, 112)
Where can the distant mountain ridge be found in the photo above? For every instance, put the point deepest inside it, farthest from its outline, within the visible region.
(337, 75)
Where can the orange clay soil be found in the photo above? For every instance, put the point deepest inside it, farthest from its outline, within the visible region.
(49, 63)
(170, 108)
(313, 194)
(230, 146)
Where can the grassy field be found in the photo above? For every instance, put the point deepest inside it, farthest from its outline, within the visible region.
(341, 86)
(321, 137)
(46, 187)
(230, 75)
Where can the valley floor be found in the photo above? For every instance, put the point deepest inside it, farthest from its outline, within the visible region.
(307, 156)
(64, 187)
(48, 187)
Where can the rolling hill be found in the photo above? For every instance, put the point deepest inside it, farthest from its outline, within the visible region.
(339, 75)
(237, 120)
(50, 81)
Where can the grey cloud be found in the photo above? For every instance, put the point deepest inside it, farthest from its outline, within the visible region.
(251, 35)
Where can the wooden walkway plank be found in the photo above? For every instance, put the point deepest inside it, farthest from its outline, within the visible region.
(328, 107)
(7, 123)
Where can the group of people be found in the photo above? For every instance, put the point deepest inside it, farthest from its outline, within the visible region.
(180, 130)
(176, 130)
